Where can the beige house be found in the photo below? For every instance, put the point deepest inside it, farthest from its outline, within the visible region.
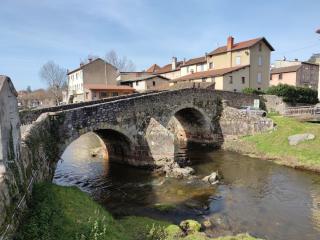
(295, 73)
(251, 59)
(96, 71)
(147, 83)
(230, 79)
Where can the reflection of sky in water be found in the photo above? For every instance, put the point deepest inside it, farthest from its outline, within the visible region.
(264, 199)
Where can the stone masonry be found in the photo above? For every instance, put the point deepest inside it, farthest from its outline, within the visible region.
(140, 130)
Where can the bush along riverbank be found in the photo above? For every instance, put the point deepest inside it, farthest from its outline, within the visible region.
(275, 145)
(66, 213)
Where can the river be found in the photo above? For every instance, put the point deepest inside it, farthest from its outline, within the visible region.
(255, 196)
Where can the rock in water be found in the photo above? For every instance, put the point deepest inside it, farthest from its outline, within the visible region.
(213, 178)
(179, 172)
(296, 139)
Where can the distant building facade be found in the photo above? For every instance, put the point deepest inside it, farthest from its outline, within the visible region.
(147, 82)
(315, 58)
(96, 71)
(247, 63)
(295, 73)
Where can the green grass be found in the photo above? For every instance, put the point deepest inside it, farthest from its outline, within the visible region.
(275, 144)
(66, 213)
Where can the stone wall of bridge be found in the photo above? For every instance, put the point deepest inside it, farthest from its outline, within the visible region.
(140, 130)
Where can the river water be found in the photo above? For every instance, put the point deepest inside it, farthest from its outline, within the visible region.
(254, 196)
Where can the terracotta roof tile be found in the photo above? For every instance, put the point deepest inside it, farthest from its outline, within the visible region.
(210, 73)
(107, 87)
(241, 45)
(194, 61)
(293, 68)
(168, 68)
(153, 68)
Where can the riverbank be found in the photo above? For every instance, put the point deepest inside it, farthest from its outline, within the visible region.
(66, 213)
(274, 145)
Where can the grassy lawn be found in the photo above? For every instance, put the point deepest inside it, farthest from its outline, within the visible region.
(66, 213)
(275, 144)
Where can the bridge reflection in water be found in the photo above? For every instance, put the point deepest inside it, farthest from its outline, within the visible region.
(259, 197)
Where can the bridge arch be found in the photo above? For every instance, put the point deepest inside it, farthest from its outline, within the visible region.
(190, 124)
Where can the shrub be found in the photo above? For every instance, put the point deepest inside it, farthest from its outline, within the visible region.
(252, 91)
(294, 94)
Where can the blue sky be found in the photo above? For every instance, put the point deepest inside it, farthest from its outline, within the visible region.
(146, 31)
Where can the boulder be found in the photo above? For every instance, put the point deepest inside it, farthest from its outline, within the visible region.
(213, 178)
(179, 172)
(190, 226)
(296, 139)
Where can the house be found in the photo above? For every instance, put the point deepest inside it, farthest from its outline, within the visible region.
(147, 82)
(228, 79)
(250, 58)
(95, 71)
(315, 58)
(295, 73)
(39, 98)
(96, 91)
(171, 70)
(129, 75)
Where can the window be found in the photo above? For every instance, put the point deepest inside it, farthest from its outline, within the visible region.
(103, 95)
(259, 77)
(259, 88)
(238, 60)
(153, 83)
(243, 80)
(87, 95)
(115, 94)
(188, 69)
(230, 80)
(280, 76)
(204, 79)
(202, 67)
(260, 47)
(234, 90)
(211, 65)
(94, 94)
(137, 83)
(260, 61)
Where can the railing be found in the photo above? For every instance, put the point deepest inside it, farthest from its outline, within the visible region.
(303, 110)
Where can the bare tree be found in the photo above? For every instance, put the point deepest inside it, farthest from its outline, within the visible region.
(55, 77)
(121, 63)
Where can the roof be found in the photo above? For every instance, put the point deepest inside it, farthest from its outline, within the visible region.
(210, 73)
(142, 78)
(241, 45)
(86, 64)
(153, 68)
(4, 79)
(292, 68)
(194, 61)
(168, 68)
(107, 87)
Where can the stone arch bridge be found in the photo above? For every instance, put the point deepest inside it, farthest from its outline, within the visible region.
(140, 130)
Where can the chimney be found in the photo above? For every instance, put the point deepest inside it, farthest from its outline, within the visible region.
(81, 64)
(230, 43)
(174, 63)
(296, 59)
(90, 59)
